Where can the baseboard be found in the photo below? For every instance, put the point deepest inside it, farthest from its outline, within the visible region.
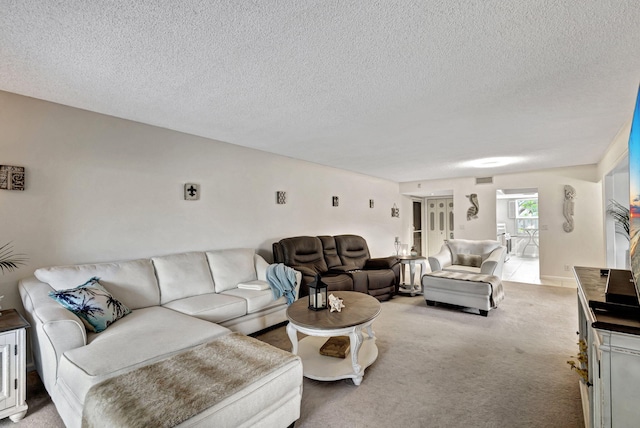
(559, 281)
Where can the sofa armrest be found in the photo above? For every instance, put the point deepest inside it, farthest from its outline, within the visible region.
(305, 271)
(440, 260)
(343, 269)
(493, 264)
(63, 328)
(54, 329)
(298, 283)
(381, 263)
(261, 266)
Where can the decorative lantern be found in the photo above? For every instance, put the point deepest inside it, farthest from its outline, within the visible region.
(318, 295)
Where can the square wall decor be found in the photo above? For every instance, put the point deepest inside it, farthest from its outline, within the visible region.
(281, 197)
(191, 192)
(11, 177)
(335, 201)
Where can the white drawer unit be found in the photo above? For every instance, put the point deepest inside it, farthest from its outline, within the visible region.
(13, 384)
(611, 392)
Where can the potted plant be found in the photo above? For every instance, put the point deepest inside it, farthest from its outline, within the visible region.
(620, 214)
(9, 260)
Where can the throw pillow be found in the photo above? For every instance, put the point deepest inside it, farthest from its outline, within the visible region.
(471, 260)
(94, 305)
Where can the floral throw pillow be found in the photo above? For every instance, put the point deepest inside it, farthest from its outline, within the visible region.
(94, 305)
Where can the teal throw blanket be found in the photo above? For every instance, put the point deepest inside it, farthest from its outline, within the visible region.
(282, 280)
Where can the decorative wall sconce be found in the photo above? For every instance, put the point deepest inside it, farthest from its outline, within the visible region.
(336, 201)
(281, 197)
(395, 211)
(191, 192)
(11, 177)
(371, 203)
(567, 209)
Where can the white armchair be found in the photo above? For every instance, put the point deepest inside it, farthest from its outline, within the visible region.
(470, 256)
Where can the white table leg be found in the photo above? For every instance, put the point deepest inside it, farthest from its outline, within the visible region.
(402, 273)
(370, 332)
(356, 339)
(412, 271)
(293, 337)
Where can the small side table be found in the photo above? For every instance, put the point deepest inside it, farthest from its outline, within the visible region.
(13, 372)
(411, 261)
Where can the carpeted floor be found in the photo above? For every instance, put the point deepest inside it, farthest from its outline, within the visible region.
(442, 367)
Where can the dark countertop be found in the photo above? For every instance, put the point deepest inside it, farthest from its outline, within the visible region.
(11, 320)
(606, 316)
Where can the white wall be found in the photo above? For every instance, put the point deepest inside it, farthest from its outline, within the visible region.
(583, 247)
(614, 167)
(99, 188)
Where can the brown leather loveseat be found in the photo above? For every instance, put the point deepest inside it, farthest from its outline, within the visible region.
(343, 261)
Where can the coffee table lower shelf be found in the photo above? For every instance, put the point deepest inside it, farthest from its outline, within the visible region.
(321, 367)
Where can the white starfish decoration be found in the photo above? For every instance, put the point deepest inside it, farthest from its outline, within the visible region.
(335, 303)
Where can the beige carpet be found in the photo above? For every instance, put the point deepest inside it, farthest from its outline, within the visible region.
(443, 367)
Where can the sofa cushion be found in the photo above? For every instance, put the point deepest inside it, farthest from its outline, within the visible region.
(212, 307)
(132, 282)
(145, 336)
(257, 300)
(94, 305)
(255, 285)
(230, 267)
(182, 275)
(304, 251)
(462, 269)
(353, 250)
(469, 246)
(330, 251)
(471, 260)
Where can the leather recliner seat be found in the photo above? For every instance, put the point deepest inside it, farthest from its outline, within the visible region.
(342, 261)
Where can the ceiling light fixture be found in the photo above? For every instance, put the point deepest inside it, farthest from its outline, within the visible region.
(491, 162)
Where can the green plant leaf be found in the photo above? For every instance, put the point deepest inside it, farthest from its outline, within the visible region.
(10, 261)
(620, 215)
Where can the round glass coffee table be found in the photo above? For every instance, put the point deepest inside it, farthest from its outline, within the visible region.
(358, 314)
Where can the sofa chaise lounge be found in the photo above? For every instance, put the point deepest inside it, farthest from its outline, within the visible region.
(343, 261)
(178, 302)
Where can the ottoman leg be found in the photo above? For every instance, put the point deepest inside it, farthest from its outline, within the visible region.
(484, 313)
(430, 303)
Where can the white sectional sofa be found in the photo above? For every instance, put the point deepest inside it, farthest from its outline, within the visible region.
(177, 302)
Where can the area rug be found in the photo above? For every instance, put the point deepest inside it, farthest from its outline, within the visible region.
(445, 366)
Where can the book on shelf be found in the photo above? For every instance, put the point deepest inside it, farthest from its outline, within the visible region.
(338, 347)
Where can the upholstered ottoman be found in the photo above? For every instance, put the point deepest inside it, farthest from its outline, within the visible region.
(479, 291)
(232, 381)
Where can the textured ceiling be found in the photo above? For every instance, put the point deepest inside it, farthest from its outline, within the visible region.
(404, 90)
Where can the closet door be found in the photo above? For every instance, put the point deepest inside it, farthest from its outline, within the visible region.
(439, 223)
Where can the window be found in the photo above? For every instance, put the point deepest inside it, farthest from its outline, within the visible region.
(526, 214)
